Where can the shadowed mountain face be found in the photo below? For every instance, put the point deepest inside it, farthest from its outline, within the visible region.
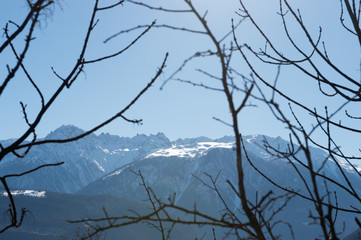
(48, 215)
(101, 168)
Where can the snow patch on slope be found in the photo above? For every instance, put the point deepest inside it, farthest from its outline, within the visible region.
(29, 193)
(251, 138)
(99, 166)
(189, 151)
(118, 171)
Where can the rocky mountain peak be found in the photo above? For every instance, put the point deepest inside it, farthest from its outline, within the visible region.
(64, 132)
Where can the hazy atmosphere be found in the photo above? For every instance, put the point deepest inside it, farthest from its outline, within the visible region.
(235, 115)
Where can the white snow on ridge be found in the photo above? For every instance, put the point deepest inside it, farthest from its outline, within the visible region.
(30, 193)
(253, 137)
(115, 151)
(99, 166)
(189, 151)
(118, 171)
(349, 168)
(122, 150)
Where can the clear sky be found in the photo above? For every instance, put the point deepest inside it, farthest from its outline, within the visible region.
(179, 110)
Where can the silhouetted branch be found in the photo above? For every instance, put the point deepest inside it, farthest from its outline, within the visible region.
(37, 9)
(119, 114)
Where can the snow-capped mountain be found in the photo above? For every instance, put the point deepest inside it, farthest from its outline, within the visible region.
(173, 168)
(94, 156)
(85, 160)
(186, 166)
(106, 165)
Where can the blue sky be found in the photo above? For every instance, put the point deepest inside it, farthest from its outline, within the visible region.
(178, 110)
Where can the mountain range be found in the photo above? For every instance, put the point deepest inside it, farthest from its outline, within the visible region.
(101, 167)
(84, 160)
